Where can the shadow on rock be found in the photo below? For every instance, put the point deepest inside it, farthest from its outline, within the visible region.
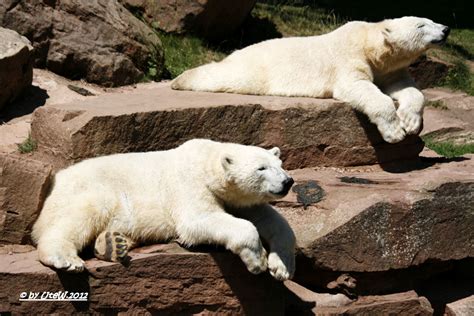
(32, 98)
(76, 284)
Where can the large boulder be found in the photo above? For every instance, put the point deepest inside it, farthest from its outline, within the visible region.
(99, 41)
(16, 65)
(212, 19)
(311, 132)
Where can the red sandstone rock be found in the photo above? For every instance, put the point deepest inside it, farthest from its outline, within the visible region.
(310, 132)
(24, 184)
(165, 283)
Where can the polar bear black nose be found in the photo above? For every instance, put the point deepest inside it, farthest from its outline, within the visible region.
(446, 31)
(288, 183)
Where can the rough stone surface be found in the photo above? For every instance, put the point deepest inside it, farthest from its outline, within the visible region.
(213, 19)
(408, 303)
(23, 186)
(394, 223)
(449, 116)
(158, 280)
(309, 131)
(16, 65)
(99, 41)
(463, 307)
(302, 301)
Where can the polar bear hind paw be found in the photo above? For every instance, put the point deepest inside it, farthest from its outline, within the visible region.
(281, 268)
(112, 246)
(410, 121)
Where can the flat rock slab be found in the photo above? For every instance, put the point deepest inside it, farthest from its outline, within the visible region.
(310, 132)
(164, 279)
(370, 220)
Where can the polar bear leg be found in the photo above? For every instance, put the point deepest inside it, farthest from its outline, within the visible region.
(57, 252)
(112, 246)
(65, 227)
(411, 102)
(366, 97)
(277, 233)
(217, 227)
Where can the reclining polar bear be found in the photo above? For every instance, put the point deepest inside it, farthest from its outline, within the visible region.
(363, 64)
(191, 193)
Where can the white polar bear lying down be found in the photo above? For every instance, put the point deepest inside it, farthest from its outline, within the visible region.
(363, 64)
(191, 192)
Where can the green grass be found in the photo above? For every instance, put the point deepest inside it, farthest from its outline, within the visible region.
(460, 77)
(185, 52)
(448, 149)
(28, 145)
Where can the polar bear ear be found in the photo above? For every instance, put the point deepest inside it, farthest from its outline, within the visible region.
(275, 151)
(226, 161)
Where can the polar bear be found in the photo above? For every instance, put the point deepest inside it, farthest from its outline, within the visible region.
(363, 64)
(200, 192)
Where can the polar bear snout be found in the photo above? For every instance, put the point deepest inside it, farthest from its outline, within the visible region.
(285, 187)
(446, 31)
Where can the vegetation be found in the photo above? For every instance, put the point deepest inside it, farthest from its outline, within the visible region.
(28, 145)
(448, 149)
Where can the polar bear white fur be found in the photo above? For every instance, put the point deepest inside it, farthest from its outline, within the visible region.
(200, 192)
(363, 64)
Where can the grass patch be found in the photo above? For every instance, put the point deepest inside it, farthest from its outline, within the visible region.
(28, 145)
(185, 52)
(437, 104)
(448, 149)
(460, 77)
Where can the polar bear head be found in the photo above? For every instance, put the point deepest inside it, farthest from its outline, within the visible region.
(253, 175)
(414, 34)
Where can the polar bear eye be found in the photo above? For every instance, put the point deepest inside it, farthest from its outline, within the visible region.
(262, 168)
(420, 26)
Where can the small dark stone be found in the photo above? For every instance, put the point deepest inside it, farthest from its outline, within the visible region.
(357, 180)
(80, 90)
(308, 193)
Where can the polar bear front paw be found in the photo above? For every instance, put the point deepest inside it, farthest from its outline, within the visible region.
(410, 121)
(254, 259)
(68, 263)
(391, 131)
(281, 268)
